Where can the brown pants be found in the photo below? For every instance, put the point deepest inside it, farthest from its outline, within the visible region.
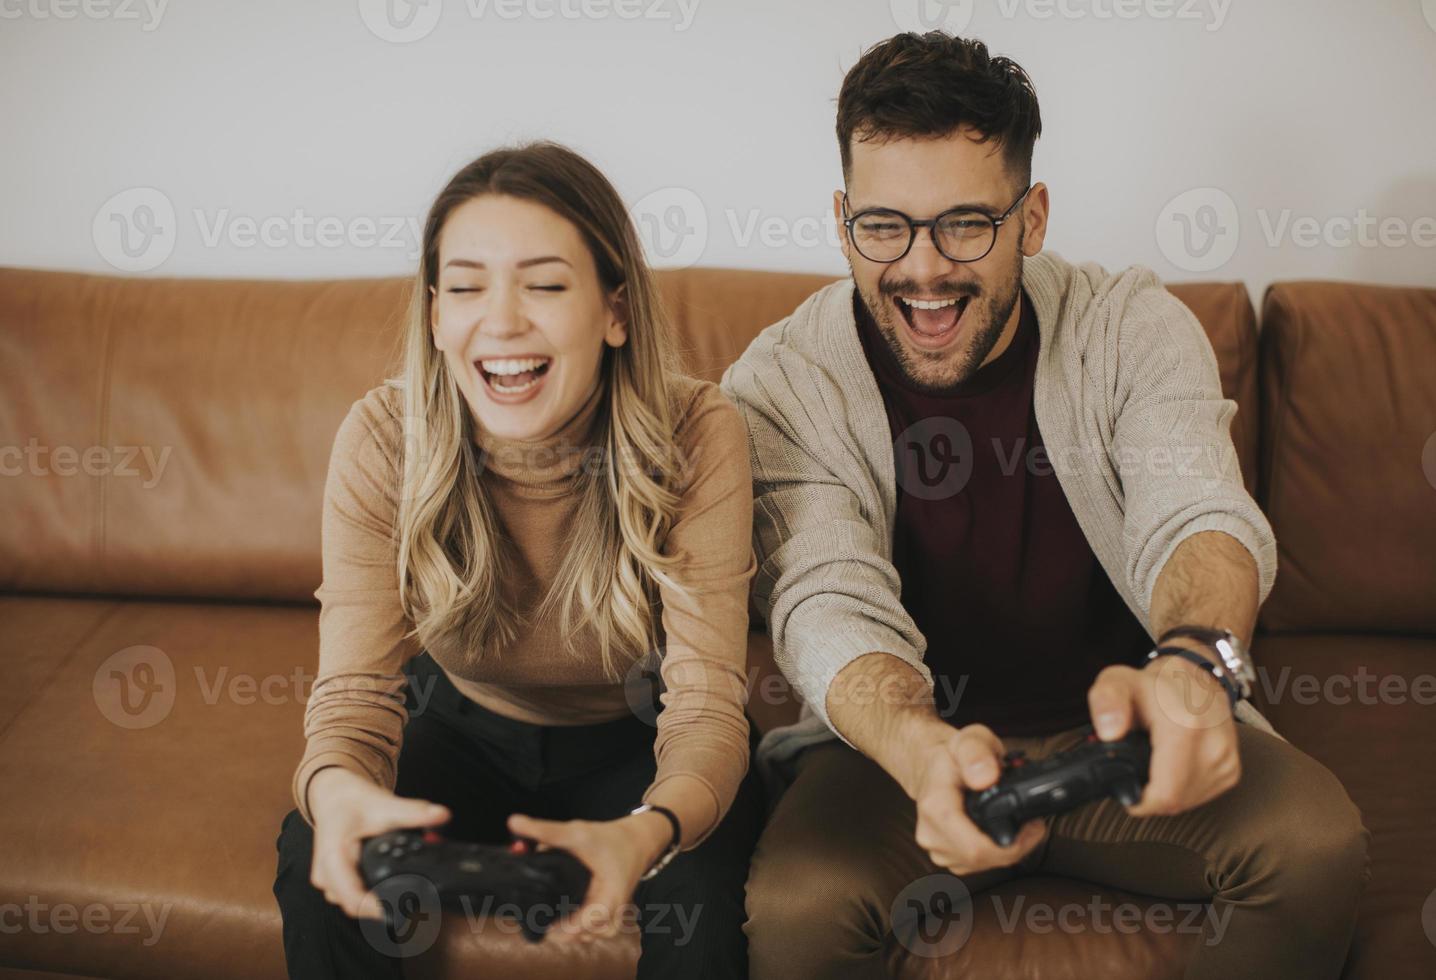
(1281, 857)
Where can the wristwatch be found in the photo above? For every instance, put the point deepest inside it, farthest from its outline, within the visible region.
(1228, 647)
(674, 843)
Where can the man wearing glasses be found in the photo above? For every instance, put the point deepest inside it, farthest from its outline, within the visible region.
(996, 499)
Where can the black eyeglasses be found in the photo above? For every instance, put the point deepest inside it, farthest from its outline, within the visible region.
(960, 234)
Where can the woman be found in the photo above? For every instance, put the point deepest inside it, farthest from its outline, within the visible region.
(537, 510)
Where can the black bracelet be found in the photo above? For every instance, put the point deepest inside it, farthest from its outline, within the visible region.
(1234, 693)
(674, 842)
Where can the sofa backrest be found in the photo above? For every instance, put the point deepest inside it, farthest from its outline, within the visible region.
(170, 437)
(1348, 446)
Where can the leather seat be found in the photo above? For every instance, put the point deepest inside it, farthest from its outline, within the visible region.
(177, 806)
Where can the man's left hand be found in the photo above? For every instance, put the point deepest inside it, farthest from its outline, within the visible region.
(1188, 717)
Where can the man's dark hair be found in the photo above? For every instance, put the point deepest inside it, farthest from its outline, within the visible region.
(928, 85)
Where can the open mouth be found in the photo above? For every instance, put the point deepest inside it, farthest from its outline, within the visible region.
(515, 375)
(932, 321)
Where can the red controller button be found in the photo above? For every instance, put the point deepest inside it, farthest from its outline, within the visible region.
(519, 847)
(433, 837)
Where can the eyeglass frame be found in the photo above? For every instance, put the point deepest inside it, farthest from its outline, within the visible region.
(931, 225)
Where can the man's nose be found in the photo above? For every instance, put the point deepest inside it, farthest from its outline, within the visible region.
(923, 262)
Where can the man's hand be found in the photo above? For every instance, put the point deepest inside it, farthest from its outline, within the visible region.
(968, 758)
(885, 709)
(1186, 712)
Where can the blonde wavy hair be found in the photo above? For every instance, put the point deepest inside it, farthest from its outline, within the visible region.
(451, 554)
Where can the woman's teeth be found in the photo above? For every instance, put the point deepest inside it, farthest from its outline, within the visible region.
(517, 374)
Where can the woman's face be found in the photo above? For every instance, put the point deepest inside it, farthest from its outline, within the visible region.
(520, 315)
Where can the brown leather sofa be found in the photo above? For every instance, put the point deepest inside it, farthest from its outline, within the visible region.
(163, 446)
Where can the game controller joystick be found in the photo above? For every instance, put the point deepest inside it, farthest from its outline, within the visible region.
(1093, 770)
(535, 885)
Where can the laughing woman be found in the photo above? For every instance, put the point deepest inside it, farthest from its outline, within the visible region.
(540, 507)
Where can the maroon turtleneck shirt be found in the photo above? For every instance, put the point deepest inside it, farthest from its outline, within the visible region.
(1018, 614)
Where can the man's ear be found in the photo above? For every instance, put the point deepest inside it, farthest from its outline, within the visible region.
(1034, 219)
(838, 217)
(616, 333)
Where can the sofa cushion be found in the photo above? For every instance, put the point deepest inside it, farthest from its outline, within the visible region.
(147, 767)
(1349, 456)
(1365, 707)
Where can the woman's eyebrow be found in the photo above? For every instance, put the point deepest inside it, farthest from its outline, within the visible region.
(523, 264)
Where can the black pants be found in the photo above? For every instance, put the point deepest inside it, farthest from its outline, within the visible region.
(484, 767)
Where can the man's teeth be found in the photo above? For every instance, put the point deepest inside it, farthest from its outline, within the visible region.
(929, 304)
(513, 366)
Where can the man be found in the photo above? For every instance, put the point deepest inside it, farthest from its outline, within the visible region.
(986, 481)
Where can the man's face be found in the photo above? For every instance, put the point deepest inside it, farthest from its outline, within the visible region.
(938, 348)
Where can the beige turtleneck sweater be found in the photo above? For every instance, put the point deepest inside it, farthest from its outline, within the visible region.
(356, 715)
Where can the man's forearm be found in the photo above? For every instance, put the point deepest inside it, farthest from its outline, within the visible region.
(885, 708)
(1209, 580)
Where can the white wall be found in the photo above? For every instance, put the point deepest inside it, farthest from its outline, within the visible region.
(1301, 117)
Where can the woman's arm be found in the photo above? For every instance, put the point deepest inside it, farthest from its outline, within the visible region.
(702, 745)
(355, 716)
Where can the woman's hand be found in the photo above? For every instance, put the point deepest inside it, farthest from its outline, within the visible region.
(346, 809)
(617, 852)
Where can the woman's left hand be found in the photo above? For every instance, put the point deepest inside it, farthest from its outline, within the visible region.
(617, 852)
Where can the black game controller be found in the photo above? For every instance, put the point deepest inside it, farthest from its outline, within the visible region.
(1091, 771)
(514, 880)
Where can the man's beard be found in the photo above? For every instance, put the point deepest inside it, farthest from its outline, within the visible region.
(938, 371)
